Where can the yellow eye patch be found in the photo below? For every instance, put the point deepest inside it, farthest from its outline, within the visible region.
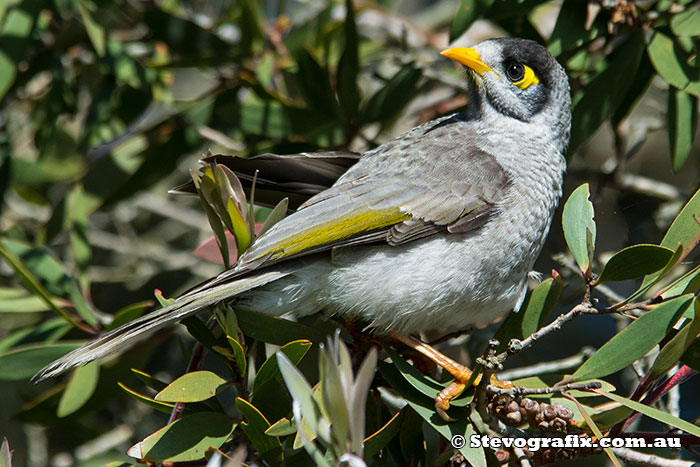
(529, 78)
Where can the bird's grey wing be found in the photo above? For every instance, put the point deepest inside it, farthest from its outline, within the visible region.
(388, 196)
(294, 176)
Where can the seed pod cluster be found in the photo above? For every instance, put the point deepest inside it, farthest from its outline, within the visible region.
(547, 418)
(547, 455)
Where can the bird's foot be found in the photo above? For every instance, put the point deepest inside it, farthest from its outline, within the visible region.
(463, 375)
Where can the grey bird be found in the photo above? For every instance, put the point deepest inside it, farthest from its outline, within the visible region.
(436, 229)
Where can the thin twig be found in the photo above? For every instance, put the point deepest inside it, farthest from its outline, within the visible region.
(522, 457)
(522, 391)
(195, 361)
(637, 457)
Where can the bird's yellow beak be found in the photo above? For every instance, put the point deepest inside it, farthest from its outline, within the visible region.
(467, 57)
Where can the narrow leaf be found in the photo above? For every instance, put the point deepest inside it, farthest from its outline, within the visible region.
(388, 101)
(348, 67)
(300, 390)
(149, 380)
(5, 454)
(80, 388)
(595, 429)
(282, 427)
(269, 447)
(23, 362)
(186, 439)
(635, 261)
(684, 230)
(687, 23)
(275, 330)
(654, 413)
(380, 438)
(276, 215)
(606, 91)
(193, 387)
(467, 12)
(682, 115)
(673, 63)
(577, 220)
(238, 356)
(676, 347)
(164, 407)
(633, 342)
(294, 350)
(96, 33)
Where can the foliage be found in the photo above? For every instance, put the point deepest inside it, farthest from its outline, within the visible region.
(106, 105)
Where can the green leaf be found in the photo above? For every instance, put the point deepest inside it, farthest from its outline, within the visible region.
(691, 356)
(46, 332)
(80, 388)
(14, 300)
(238, 356)
(635, 261)
(380, 438)
(49, 270)
(282, 427)
(96, 33)
(15, 40)
(360, 390)
(348, 67)
(474, 456)
(269, 447)
(633, 342)
(687, 23)
(295, 350)
(596, 430)
(186, 439)
(302, 394)
(200, 332)
(23, 362)
(193, 387)
(467, 12)
(5, 454)
(129, 313)
(684, 229)
(80, 246)
(570, 29)
(604, 93)
(272, 400)
(315, 85)
(676, 347)
(275, 330)
(149, 380)
(418, 380)
(240, 229)
(214, 220)
(640, 84)
(386, 103)
(276, 215)
(537, 306)
(673, 63)
(579, 227)
(682, 115)
(164, 407)
(654, 413)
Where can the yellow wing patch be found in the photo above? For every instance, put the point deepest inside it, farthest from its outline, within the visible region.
(331, 231)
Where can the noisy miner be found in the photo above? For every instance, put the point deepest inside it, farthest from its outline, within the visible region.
(436, 229)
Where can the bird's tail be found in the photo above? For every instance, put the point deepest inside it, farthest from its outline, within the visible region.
(125, 336)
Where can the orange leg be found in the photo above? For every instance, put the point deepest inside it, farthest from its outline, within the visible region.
(463, 375)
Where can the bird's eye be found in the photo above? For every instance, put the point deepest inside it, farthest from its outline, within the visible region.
(515, 71)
